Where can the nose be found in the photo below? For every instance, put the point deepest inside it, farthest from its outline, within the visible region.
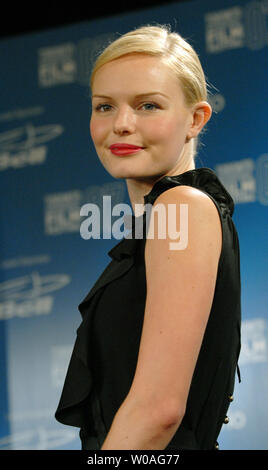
(125, 121)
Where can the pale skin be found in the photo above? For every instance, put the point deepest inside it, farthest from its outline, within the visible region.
(138, 100)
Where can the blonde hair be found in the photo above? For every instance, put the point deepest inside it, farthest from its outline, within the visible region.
(175, 52)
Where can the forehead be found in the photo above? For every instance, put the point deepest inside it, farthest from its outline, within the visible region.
(135, 73)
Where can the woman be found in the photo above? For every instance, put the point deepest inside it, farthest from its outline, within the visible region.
(154, 362)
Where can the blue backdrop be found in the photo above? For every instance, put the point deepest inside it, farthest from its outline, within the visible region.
(49, 169)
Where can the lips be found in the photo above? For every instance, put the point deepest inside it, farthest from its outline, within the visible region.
(124, 149)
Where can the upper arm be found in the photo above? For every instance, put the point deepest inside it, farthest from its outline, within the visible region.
(180, 290)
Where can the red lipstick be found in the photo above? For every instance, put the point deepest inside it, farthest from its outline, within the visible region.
(124, 149)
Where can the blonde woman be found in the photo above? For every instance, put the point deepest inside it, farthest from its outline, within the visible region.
(154, 362)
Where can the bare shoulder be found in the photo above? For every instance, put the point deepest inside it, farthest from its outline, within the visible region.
(187, 194)
(180, 289)
(191, 210)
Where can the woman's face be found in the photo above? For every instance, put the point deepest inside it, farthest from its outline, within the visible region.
(137, 100)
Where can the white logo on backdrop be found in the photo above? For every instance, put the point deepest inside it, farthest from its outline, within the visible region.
(25, 296)
(25, 261)
(237, 420)
(69, 62)
(24, 145)
(59, 360)
(38, 438)
(236, 27)
(57, 65)
(22, 113)
(254, 341)
(217, 102)
(246, 180)
(62, 210)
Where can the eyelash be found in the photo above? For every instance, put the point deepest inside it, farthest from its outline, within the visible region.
(100, 106)
(156, 106)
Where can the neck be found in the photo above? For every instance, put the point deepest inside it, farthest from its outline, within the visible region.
(138, 188)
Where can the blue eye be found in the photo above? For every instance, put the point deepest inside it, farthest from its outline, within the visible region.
(149, 106)
(103, 108)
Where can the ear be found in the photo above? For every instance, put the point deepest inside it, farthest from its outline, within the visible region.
(201, 114)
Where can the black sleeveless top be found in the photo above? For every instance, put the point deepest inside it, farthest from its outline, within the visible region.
(105, 353)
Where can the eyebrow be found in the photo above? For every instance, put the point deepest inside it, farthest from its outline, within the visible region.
(140, 95)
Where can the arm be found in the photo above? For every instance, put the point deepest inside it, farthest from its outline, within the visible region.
(180, 289)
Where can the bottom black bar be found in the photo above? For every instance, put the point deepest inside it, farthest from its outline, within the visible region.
(118, 459)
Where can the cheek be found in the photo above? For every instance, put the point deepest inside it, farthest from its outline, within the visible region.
(167, 129)
(92, 129)
(96, 131)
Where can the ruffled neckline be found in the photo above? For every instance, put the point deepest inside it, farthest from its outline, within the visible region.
(204, 179)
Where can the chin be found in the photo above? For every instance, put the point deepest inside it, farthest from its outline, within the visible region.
(138, 171)
(124, 173)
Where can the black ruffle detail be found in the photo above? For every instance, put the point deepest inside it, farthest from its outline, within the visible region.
(204, 179)
(78, 385)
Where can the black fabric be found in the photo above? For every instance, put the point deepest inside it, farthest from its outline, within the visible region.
(105, 353)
